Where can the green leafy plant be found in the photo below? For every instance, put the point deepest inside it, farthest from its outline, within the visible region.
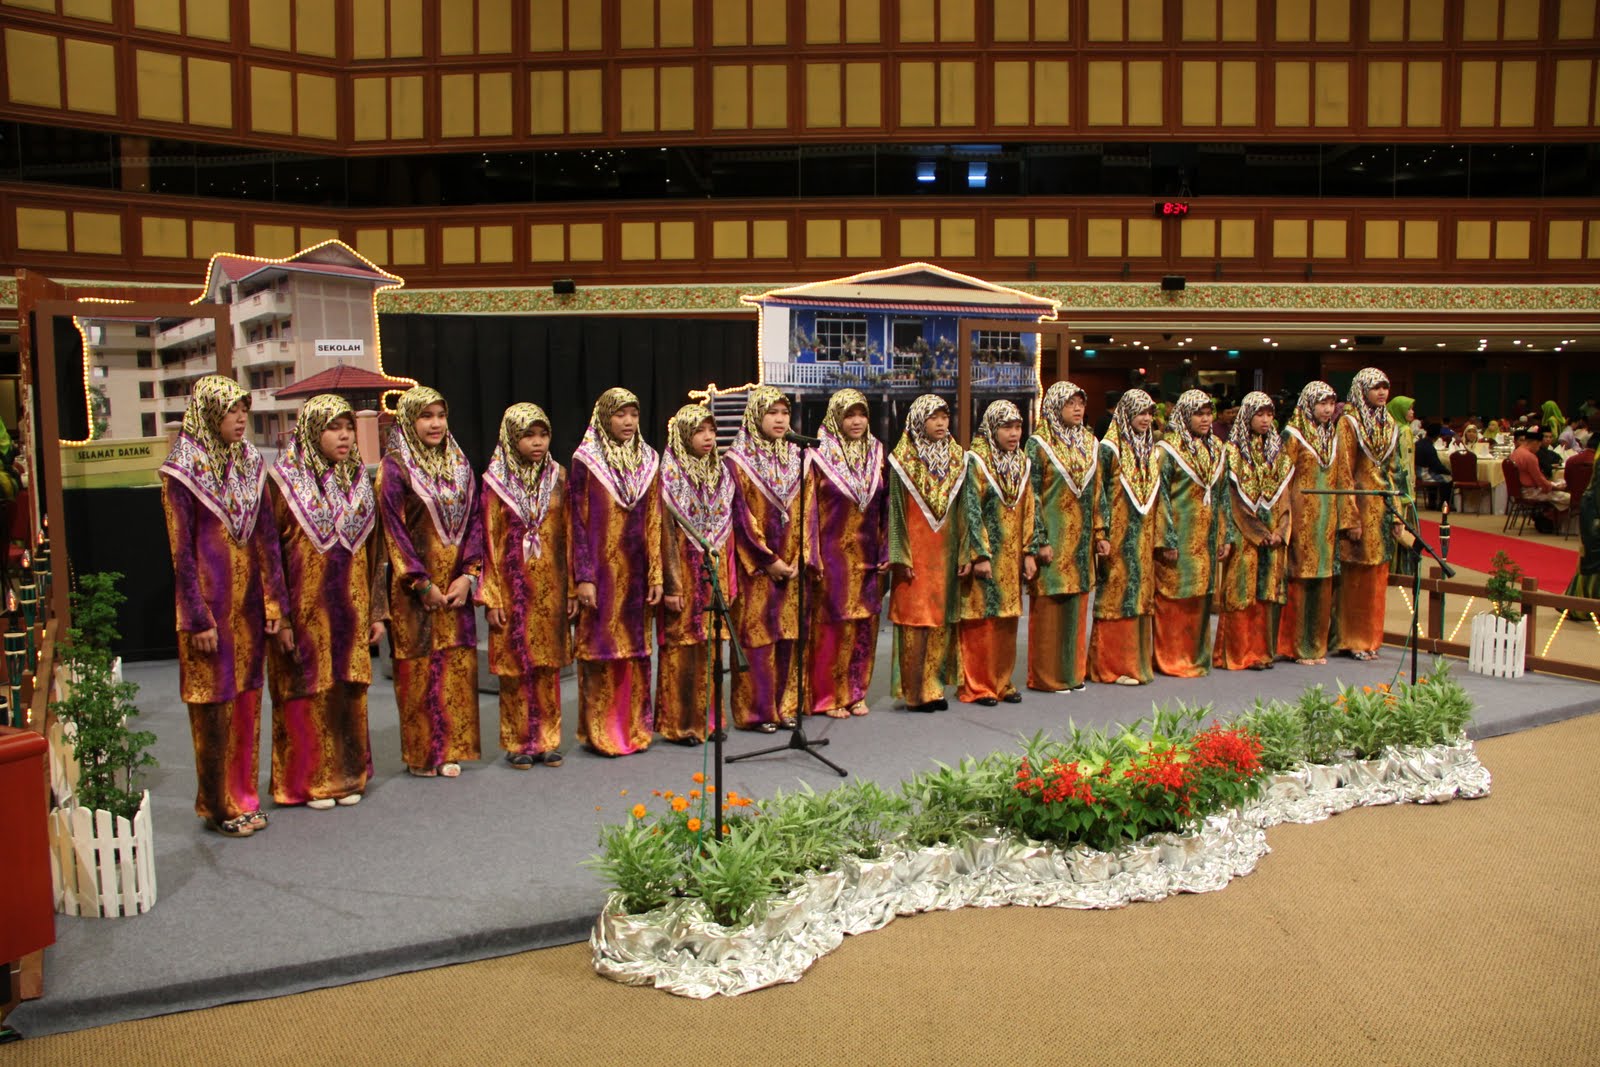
(1278, 725)
(640, 862)
(1321, 726)
(1504, 587)
(737, 876)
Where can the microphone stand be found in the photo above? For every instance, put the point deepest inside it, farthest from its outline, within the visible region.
(797, 737)
(719, 617)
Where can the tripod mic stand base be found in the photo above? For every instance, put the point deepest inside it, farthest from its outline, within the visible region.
(797, 742)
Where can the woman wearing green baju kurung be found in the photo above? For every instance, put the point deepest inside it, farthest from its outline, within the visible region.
(1305, 629)
(1121, 643)
(1403, 473)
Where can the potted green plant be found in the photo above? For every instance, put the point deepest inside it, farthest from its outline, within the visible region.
(102, 843)
(1500, 635)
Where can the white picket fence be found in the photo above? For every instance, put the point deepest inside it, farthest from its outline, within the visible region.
(64, 768)
(1498, 647)
(103, 865)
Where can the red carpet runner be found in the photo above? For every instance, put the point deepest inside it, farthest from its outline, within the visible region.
(1474, 549)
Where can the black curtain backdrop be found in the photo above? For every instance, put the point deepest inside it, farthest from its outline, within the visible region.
(483, 364)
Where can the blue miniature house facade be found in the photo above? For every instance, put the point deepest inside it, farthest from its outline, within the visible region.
(898, 330)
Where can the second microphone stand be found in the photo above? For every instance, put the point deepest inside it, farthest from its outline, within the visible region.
(1418, 546)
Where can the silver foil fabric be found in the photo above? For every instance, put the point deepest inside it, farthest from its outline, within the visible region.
(678, 948)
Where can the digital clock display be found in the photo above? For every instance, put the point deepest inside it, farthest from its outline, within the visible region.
(1172, 208)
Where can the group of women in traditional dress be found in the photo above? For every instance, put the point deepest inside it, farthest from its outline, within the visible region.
(621, 556)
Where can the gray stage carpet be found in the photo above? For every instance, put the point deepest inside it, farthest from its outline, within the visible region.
(428, 872)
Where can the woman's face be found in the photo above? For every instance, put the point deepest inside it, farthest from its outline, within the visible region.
(623, 423)
(1378, 395)
(432, 425)
(1261, 422)
(1008, 436)
(336, 441)
(775, 423)
(234, 420)
(937, 426)
(1322, 410)
(1200, 421)
(1072, 411)
(704, 438)
(854, 423)
(534, 445)
(1141, 422)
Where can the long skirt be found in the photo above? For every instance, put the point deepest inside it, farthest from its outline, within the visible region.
(614, 714)
(683, 689)
(320, 749)
(988, 658)
(1363, 597)
(530, 712)
(1248, 637)
(840, 668)
(926, 659)
(227, 756)
(1307, 619)
(438, 698)
(1121, 648)
(1058, 648)
(1183, 636)
(769, 690)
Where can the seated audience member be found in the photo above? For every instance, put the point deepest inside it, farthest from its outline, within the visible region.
(1535, 486)
(1549, 459)
(1575, 436)
(1471, 440)
(1430, 468)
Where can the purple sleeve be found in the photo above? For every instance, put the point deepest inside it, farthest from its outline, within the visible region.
(392, 502)
(471, 558)
(193, 615)
(581, 542)
(269, 558)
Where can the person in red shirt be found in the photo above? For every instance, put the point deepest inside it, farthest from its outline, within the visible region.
(1535, 486)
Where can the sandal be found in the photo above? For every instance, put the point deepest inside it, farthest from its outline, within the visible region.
(450, 770)
(859, 708)
(837, 713)
(1012, 697)
(257, 819)
(239, 827)
(553, 758)
(423, 772)
(520, 760)
(350, 800)
(1123, 679)
(321, 803)
(788, 722)
(768, 727)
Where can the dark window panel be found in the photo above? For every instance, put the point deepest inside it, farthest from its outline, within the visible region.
(1572, 170)
(765, 172)
(1506, 170)
(838, 170)
(1358, 170)
(1431, 170)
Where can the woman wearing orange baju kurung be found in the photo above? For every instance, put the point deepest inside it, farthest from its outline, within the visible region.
(326, 515)
(1193, 535)
(1368, 440)
(524, 591)
(1253, 583)
(1121, 643)
(1313, 445)
(925, 530)
(616, 562)
(229, 584)
(434, 532)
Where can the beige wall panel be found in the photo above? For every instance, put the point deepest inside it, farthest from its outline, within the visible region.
(863, 238)
(730, 239)
(210, 92)
(316, 235)
(547, 102)
(1199, 20)
(1105, 93)
(638, 25)
(958, 237)
(1478, 92)
(547, 242)
(1145, 20)
(1385, 93)
(1145, 237)
(1425, 93)
(916, 20)
(91, 77)
(164, 237)
(369, 20)
(1238, 20)
(1565, 240)
(1052, 237)
(98, 232)
(863, 100)
(730, 97)
(638, 240)
(1289, 238)
(372, 244)
(210, 237)
(769, 22)
(1332, 94)
(677, 98)
(458, 244)
(822, 22)
(1594, 240)
(769, 239)
(494, 26)
(638, 86)
(1197, 238)
(405, 109)
(1512, 238)
(1052, 20)
(32, 5)
(586, 112)
(314, 28)
(547, 25)
(1522, 20)
(677, 23)
(1333, 20)
(494, 244)
(730, 23)
(1103, 238)
(1011, 21)
(316, 106)
(769, 96)
(33, 68)
(1105, 20)
(1292, 92)
(458, 101)
(208, 19)
(1519, 92)
(1012, 93)
(1575, 20)
(823, 239)
(1571, 103)
(1427, 20)
(158, 86)
(269, 24)
(494, 104)
(1239, 92)
(1238, 238)
(957, 21)
(278, 241)
(1480, 19)
(1328, 238)
(586, 242)
(916, 239)
(677, 240)
(1199, 93)
(1381, 239)
(957, 93)
(861, 23)
(917, 95)
(822, 95)
(405, 29)
(164, 16)
(455, 28)
(1293, 21)
(1472, 239)
(1386, 20)
(271, 100)
(409, 245)
(1422, 239)
(1052, 82)
(584, 25)
(1012, 237)
(44, 229)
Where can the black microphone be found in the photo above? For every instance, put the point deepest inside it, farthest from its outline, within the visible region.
(801, 439)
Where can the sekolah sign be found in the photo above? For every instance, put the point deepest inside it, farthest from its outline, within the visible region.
(341, 348)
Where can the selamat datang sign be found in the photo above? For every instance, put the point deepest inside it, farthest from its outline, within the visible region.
(341, 348)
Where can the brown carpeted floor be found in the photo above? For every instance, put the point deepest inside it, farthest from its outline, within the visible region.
(1468, 933)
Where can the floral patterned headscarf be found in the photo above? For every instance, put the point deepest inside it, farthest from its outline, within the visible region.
(333, 503)
(932, 469)
(1009, 470)
(625, 468)
(226, 478)
(527, 488)
(1319, 438)
(697, 490)
(1375, 429)
(1136, 452)
(440, 476)
(1202, 455)
(856, 467)
(1073, 449)
(773, 465)
(1257, 463)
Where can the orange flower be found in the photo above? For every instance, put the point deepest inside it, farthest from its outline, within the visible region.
(694, 794)
(693, 825)
(710, 789)
(623, 793)
(679, 804)
(724, 827)
(597, 807)
(638, 811)
(698, 776)
(1366, 689)
(655, 792)
(1423, 680)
